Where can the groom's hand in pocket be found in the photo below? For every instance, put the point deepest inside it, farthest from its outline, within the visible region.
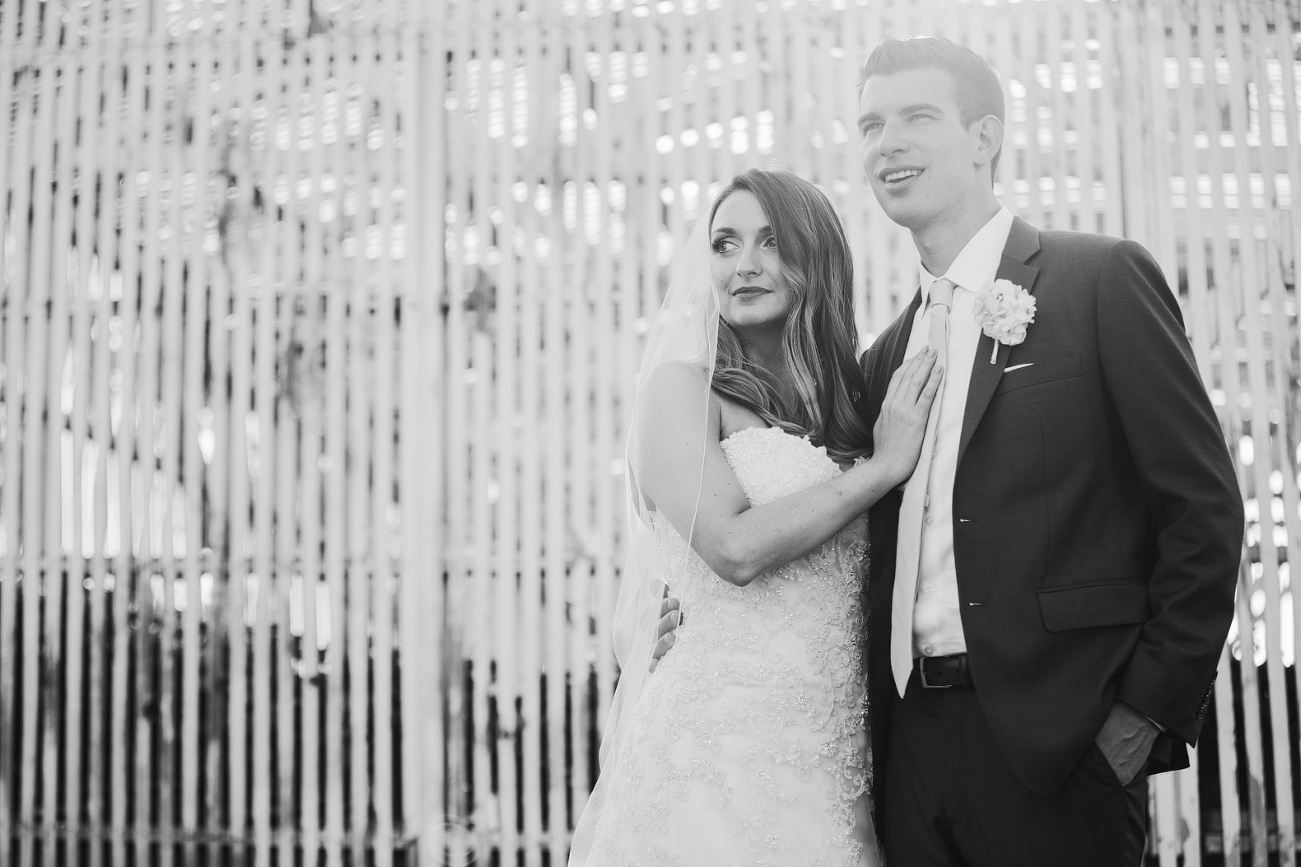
(1126, 740)
(670, 619)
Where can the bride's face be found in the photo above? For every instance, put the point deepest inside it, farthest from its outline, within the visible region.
(753, 293)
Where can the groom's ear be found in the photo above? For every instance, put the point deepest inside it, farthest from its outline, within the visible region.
(989, 138)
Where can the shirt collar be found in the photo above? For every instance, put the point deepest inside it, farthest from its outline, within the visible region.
(978, 262)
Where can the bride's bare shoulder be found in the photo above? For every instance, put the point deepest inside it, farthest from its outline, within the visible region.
(677, 379)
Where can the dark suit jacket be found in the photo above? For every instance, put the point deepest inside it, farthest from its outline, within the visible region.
(1097, 519)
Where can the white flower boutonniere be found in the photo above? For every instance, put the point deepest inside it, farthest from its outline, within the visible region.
(1003, 310)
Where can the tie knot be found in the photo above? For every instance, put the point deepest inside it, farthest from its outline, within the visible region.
(942, 292)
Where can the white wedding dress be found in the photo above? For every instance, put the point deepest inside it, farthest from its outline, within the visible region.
(748, 744)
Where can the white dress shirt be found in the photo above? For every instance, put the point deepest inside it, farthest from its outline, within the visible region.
(937, 623)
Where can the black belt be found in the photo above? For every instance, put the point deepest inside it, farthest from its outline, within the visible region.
(942, 672)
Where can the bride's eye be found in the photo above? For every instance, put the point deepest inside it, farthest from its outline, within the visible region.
(722, 245)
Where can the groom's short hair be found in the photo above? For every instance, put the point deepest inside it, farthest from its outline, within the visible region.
(975, 84)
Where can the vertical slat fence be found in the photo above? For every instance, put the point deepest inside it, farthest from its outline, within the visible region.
(317, 326)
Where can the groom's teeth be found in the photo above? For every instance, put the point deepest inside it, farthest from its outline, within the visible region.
(901, 175)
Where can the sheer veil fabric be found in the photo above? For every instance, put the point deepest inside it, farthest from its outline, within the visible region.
(684, 331)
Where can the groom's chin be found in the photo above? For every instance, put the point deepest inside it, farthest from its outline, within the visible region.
(902, 210)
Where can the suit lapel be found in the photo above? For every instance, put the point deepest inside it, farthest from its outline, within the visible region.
(1022, 243)
(902, 333)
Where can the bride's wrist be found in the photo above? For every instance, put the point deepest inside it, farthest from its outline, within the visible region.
(892, 470)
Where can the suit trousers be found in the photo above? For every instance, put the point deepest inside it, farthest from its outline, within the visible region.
(950, 798)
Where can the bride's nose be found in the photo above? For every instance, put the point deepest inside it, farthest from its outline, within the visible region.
(747, 265)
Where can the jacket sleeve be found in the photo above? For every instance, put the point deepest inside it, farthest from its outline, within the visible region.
(1188, 479)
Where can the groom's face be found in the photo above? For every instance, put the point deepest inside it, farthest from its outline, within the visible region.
(919, 156)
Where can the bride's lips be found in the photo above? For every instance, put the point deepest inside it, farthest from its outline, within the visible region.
(750, 292)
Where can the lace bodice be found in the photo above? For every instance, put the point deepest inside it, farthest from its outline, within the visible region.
(771, 464)
(757, 713)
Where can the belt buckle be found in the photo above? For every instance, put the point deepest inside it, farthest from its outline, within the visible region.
(921, 672)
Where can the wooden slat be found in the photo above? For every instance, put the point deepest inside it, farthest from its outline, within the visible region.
(176, 355)
(1254, 279)
(336, 453)
(382, 561)
(150, 590)
(265, 286)
(42, 560)
(577, 411)
(99, 275)
(420, 612)
(312, 497)
(495, 104)
(595, 211)
(239, 542)
(478, 374)
(81, 625)
(12, 388)
(1108, 119)
(360, 384)
(524, 77)
(293, 317)
(198, 314)
(220, 572)
(566, 798)
(126, 804)
(62, 562)
(460, 698)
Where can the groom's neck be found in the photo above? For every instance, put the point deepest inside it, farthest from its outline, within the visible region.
(940, 241)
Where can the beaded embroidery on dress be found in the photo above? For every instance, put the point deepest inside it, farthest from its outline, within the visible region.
(748, 744)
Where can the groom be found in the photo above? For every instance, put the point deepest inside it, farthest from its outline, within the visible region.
(1050, 591)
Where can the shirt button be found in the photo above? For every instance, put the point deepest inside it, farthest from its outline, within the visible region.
(929, 588)
(928, 650)
(929, 520)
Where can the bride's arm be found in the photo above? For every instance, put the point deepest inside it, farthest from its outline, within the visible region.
(739, 541)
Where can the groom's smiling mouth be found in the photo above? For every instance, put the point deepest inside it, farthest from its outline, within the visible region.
(898, 175)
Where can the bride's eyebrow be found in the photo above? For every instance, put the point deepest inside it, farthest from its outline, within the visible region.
(728, 230)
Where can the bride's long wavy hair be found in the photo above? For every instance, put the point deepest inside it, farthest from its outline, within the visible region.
(819, 335)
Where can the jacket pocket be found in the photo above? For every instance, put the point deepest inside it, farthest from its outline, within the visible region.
(1039, 372)
(1081, 607)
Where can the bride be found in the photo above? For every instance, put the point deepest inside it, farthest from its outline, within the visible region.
(748, 479)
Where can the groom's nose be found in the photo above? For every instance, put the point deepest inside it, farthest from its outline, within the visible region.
(891, 140)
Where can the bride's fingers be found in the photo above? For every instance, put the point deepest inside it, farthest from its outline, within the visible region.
(668, 623)
(901, 382)
(668, 605)
(926, 363)
(917, 376)
(931, 387)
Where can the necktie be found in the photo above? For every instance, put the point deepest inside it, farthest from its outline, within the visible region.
(916, 500)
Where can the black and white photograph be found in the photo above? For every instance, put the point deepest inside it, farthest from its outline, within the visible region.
(649, 433)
